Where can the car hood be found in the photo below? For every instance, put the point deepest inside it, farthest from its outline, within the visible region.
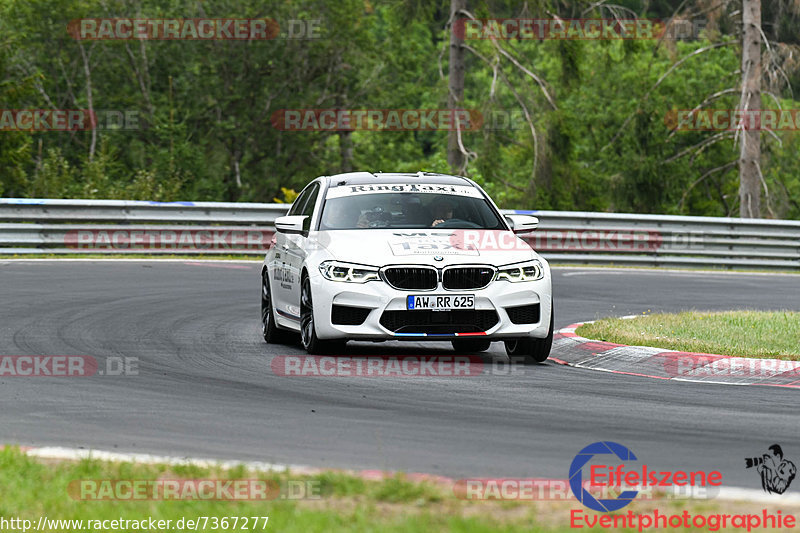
(379, 247)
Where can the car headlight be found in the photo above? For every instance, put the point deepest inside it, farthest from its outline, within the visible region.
(337, 271)
(528, 271)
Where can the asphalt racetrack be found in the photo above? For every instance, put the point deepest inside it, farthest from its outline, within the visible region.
(205, 387)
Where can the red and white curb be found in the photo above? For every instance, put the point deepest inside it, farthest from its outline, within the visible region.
(75, 454)
(573, 350)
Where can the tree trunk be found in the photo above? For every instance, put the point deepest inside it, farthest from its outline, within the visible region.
(233, 179)
(750, 152)
(89, 100)
(346, 150)
(455, 158)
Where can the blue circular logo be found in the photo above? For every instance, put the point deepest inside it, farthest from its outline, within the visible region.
(604, 505)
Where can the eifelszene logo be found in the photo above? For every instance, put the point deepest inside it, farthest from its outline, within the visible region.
(776, 472)
(626, 481)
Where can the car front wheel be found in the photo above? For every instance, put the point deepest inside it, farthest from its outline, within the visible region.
(531, 350)
(308, 334)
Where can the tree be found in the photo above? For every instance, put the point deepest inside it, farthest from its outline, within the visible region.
(750, 177)
(455, 94)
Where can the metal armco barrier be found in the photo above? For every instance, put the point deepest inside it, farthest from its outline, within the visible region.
(38, 226)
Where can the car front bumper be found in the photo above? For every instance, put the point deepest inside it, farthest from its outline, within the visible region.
(379, 297)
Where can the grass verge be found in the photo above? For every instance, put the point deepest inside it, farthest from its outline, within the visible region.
(332, 501)
(31, 488)
(762, 334)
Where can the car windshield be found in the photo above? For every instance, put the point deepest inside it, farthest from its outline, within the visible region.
(406, 206)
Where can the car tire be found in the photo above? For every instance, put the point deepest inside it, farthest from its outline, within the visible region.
(308, 333)
(471, 345)
(269, 328)
(531, 350)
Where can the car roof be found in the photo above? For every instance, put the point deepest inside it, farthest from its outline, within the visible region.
(361, 178)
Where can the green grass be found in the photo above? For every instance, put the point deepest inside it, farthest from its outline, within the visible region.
(31, 487)
(773, 334)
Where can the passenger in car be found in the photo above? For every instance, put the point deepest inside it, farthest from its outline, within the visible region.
(337, 218)
(414, 213)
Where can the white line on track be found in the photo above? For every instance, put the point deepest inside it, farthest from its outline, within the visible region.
(72, 454)
(611, 271)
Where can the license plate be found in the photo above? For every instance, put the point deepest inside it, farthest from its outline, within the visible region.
(439, 302)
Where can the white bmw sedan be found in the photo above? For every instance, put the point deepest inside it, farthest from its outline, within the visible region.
(423, 257)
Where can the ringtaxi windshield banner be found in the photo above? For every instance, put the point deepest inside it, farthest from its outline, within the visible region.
(393, 188)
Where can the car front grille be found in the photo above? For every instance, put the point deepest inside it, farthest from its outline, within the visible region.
(345, 315)
(426, 321)
(524, 314)
(412, 278)
(459, 278)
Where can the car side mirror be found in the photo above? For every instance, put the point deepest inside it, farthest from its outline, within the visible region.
(522, 223)
(292, 224)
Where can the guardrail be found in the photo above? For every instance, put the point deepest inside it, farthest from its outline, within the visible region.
(39, 226)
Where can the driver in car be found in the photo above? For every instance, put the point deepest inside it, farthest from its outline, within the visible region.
(442, 211)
